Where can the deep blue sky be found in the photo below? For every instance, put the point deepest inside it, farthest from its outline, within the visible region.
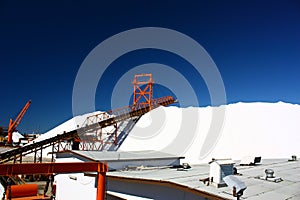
(255, 45)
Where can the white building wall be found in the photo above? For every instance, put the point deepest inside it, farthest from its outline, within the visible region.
(82, 188)
(68, 188)
(152, 191)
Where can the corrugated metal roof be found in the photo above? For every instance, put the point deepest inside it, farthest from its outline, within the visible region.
(256, 188)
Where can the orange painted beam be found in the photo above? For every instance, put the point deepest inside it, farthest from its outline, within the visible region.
(50, 168)
(13, 125)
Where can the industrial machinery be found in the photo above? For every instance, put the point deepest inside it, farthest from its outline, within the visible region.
(3, 134)
(14, 124)
(29, 191)
(77, 139)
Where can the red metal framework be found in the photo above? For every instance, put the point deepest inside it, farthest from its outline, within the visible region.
(51, 168)
(95, 118)
(63, 141)
(144, 95)
(91, 136)
(97, 137)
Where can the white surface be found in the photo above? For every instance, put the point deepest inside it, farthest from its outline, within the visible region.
(256, 188)
(82, 188)
(270, 130)
(67, 188)
(218, 168)
(125, 156)
(16, 136)
(67, 126)
(247, 160)
(1, 191)
(127, 196)
(225, 162)
(71, 124)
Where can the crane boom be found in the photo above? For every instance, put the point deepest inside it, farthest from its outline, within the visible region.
(14, 124)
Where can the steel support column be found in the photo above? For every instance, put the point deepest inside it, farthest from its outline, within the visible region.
(101, 181)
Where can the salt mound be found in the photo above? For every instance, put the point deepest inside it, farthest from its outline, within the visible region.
(67, 126)
(270, 130)
(16, 136)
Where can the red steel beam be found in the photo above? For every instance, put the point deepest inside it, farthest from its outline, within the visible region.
(13, 125)
(50, 168)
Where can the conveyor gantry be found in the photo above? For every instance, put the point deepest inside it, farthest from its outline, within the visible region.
(122, 115)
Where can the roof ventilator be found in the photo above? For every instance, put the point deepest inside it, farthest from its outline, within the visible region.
(294, 158)
(270, 176)
(184, 167)
(269, 173)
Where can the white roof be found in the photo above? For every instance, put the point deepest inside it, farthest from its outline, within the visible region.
(256, 188)
(105, 156)
(224, 162)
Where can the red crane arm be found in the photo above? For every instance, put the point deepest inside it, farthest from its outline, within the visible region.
(14, 124)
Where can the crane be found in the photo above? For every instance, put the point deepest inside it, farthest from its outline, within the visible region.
(14, 124)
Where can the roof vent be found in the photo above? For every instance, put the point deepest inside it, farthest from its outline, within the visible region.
(270, 176)
(294, 158)
(186, 166)
(269, 173)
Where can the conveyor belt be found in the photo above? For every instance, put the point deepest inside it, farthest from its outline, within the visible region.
(139, 111)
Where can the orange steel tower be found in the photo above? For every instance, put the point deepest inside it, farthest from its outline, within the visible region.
(142, 96)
